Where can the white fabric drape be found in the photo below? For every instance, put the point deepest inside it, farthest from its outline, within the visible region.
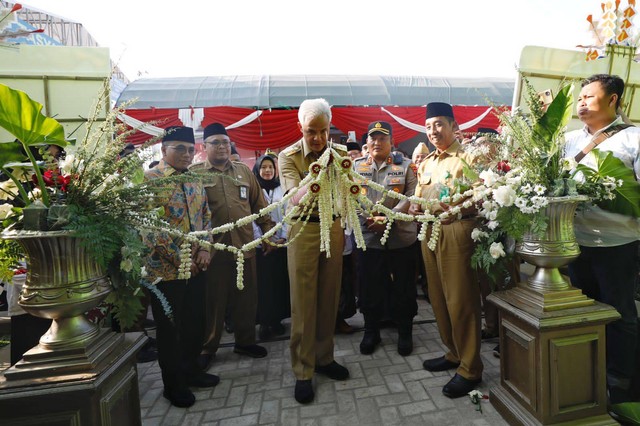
(248, 119)
(191, 117)
(421, 129)
(140, 125)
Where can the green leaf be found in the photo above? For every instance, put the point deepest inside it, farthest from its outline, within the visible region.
(627, 201)
(557, 116)
(11, 153)
(22, 117)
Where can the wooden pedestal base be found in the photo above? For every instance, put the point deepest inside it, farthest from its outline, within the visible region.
(104, 395)
(552, 363)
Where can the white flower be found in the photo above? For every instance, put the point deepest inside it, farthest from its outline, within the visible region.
(5, 211)
(568, 164)
(493, 224)
(489, 177)
(126, 265)
(539, 189)
(505, 196)
(477, 234)
(526, 189)
(520, 202)
(492, 215)
(497, 250)
(143, 272)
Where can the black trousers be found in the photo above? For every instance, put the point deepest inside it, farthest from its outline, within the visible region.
(392, 273)
(179, 338)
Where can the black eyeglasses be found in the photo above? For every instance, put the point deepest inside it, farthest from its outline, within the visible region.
(218, 143)
(181, 149)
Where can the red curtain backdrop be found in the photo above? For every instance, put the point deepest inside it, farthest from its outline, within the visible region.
(158, 117)
(278, 128)
(272, 129)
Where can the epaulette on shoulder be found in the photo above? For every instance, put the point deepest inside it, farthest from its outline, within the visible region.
(296, 147)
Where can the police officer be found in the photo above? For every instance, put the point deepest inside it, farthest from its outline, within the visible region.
(315, 278)
(232, 192)
(453, 285)
(389, 268)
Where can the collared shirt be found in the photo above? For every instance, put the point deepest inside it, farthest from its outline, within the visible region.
(294, 162)
(186, 209)
(399, 178)
(233, 193)
(595, 227)
(439, 170)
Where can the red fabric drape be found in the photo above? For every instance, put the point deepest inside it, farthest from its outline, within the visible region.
(358, 119)
(273, 129)
(278, 128)
(155, 116)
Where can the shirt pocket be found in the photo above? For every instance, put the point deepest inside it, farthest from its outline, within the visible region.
(425, 179)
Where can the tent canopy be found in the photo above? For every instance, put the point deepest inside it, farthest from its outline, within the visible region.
(281, 91)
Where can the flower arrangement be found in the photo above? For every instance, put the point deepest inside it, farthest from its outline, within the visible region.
(92, 192)
(524, 167)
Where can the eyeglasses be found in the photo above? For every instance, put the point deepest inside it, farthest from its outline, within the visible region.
(181, 149)
(219, 143)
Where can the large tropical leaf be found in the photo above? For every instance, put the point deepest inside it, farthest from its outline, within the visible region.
(557, 115)
(10, 153)
(22, 117)
(627, 199)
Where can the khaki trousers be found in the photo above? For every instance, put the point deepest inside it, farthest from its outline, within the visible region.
(222, 292)
(315, 292)
(455, 295)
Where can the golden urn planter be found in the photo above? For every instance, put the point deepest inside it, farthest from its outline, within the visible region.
(63, 282)
(557, 247)
(552, 337)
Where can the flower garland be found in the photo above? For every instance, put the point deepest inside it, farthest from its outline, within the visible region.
(334, 190)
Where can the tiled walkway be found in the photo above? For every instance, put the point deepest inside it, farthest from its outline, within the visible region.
(384, 389)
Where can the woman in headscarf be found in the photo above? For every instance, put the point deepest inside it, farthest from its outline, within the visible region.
(273, 279)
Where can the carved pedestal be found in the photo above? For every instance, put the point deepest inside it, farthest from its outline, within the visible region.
(552, 362)
(104, 395)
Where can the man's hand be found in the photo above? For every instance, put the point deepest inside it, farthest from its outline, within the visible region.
(445, 208)
(377, 224)
(415, 209)
(202, 259)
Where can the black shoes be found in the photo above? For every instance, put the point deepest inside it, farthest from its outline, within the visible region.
(204, 360)
(484, 335)
(405, 344)
(342, 327)
(182, 398)
(333, 371)
(496, 351)
(253, 351)
(370, 340)
(304, 391)
(458, 386)
(439, 364)
(203, 380)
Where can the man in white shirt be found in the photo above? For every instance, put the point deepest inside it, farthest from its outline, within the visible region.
(607, 267)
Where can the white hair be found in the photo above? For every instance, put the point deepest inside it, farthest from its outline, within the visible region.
(312, 108)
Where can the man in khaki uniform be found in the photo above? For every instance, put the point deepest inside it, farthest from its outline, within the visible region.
(386, 272)
(315, 278)
(232, 193)
(452, 282)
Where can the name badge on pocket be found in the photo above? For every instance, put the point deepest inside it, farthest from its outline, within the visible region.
(243, 193)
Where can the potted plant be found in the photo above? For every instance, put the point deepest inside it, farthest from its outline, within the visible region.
(88, 210)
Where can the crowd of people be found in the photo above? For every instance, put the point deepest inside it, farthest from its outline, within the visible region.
(289, 276)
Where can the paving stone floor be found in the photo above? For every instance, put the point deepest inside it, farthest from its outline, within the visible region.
(384, 389)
